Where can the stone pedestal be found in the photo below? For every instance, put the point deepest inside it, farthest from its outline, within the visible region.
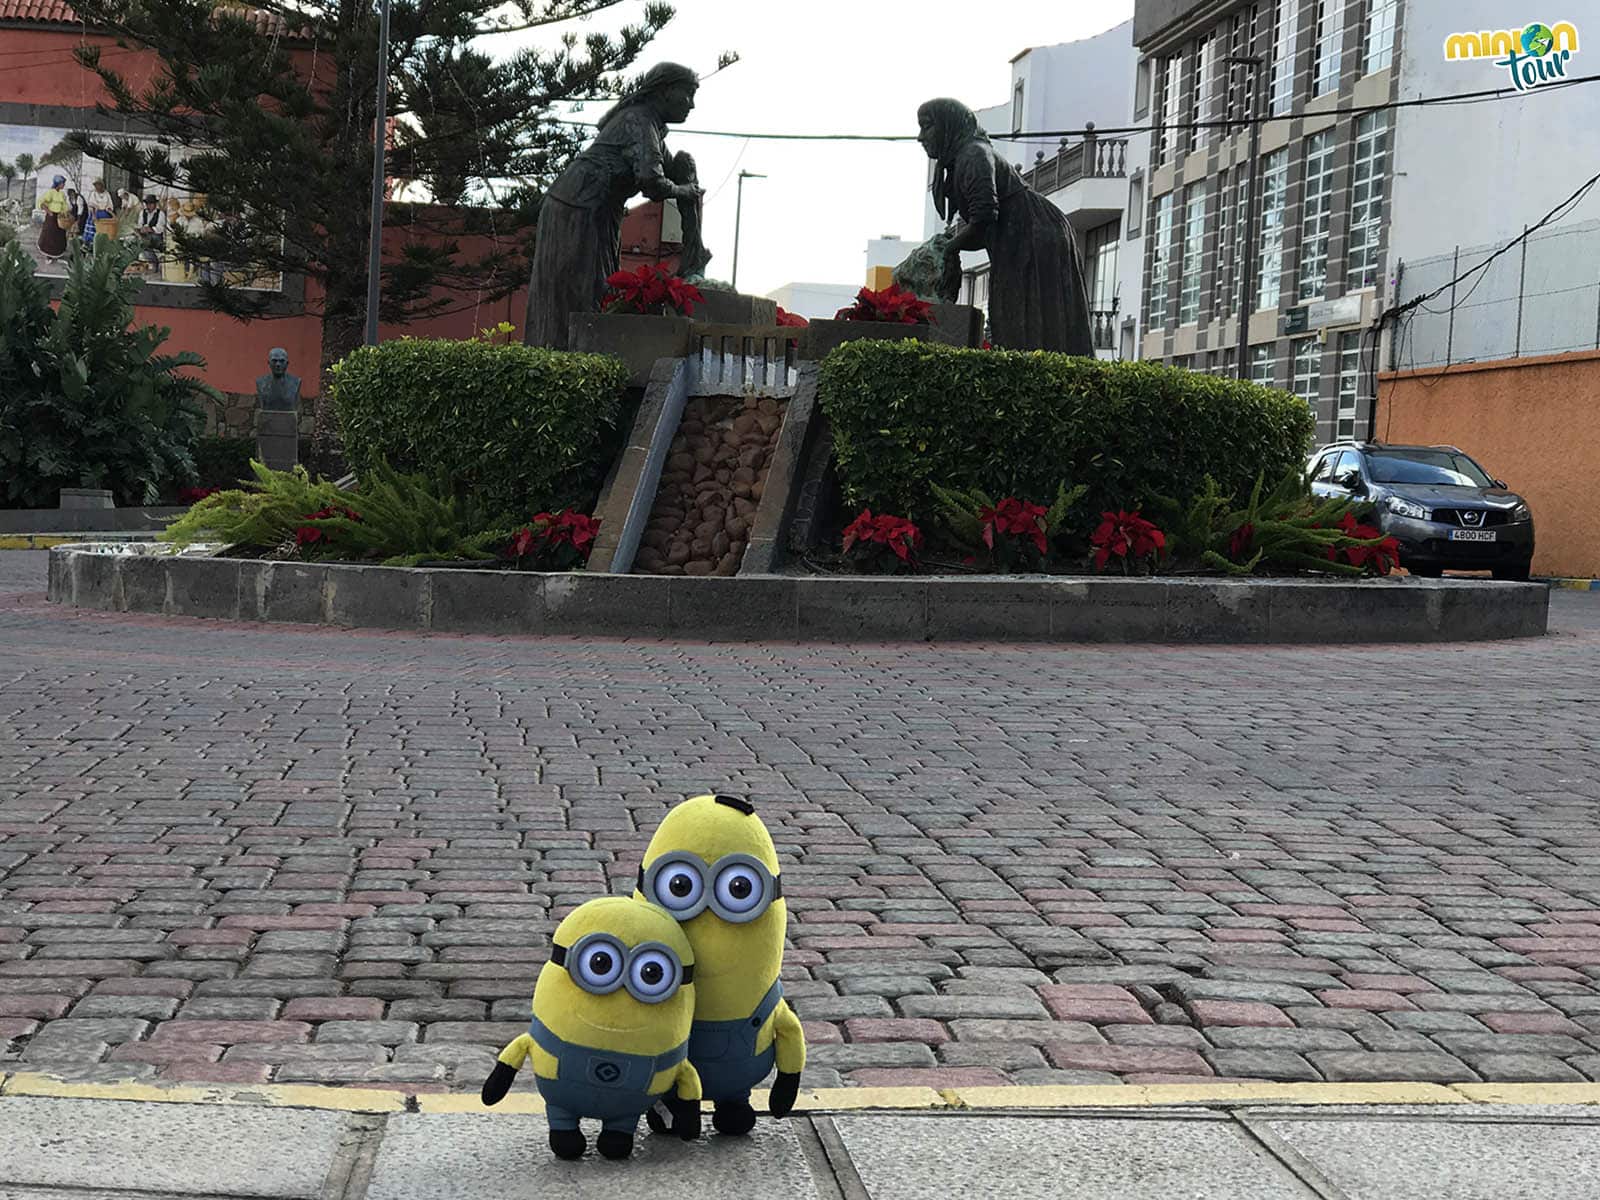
(81, 499)
(278, 438)
(735, 308)
(958, 325)
(637, 340)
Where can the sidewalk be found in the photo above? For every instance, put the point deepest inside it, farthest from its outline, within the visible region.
(61, 1141)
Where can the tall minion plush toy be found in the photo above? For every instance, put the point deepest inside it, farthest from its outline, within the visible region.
(610, 1027)
(712, 865)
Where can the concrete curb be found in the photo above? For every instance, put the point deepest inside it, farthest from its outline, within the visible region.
(778, 608)
(1017, 1098)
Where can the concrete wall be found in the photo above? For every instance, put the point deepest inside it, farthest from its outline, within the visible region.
(1533, 422)
(1508, 162)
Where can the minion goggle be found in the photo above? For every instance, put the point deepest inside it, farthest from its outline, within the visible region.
(600, 964)
(738, 887)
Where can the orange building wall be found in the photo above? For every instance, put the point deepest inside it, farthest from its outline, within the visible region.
(1533, 422)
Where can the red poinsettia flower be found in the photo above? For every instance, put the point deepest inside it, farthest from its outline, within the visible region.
(896, 534)
(556, 540)
(193, 495)
(1127, 536)
(1016, 518)
(791, 320)
(891, 304)
(650, 289)
(311, 535)
(1240, 543)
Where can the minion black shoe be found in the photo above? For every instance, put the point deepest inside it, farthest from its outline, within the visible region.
(659, 1120)
(734, 1117)
(613, 1144)
(570, 1143)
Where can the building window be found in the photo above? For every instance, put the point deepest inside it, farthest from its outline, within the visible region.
(1016, 108)
(1379, 53)
(1141, 89)
(1263, 363)
(1368, 178)
(1100, 252)
(1229, 365)
(1128, 351)
(1227, 245)
(1274, 197)
(1171, 94)
(1160, 262)
(1349, 382)
(1202, 94)
(1330, 47)
(1135, 205)
(1194, 240)
(1317, 207)
(1184, 362)
(977, 289)
(1284, 38)
(1307, 358)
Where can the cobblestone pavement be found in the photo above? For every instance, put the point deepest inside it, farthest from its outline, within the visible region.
(240, 853)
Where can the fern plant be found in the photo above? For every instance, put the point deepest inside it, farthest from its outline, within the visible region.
(1289, 528)
(402, 520)
(264, 513)
(1011, 532)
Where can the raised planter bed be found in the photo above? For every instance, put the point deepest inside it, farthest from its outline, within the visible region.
(139, 578)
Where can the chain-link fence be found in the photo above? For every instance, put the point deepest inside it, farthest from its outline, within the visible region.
(1540, 297)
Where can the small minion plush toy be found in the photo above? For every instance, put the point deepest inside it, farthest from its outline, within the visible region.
(712, 865)
(610, 1027)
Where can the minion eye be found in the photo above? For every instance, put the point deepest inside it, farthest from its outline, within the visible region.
(653, 976)
(678, 887)
(600, 966)
(739, 888)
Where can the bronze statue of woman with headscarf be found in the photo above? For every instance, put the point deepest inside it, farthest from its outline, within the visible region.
(579, 234)
(1037, 295)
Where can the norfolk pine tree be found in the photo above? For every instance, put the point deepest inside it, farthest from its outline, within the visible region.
(269, 111)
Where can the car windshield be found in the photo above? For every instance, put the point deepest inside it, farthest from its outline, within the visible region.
(1442, 468)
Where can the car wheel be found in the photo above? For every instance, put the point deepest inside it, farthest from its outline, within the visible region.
(1426, 572)
(1516, 574)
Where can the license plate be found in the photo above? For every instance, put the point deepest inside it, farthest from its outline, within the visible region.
(1472, 535)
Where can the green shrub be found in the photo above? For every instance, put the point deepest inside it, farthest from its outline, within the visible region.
(264, 513)
(521, 429)
(909, 414)
(223, 461)
(85, 400)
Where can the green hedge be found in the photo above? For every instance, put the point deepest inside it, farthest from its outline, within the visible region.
(909, 414)
(520, 428)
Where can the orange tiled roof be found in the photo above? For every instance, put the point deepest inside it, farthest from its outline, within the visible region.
(58, 12)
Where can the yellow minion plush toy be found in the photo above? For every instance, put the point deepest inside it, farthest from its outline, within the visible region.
(713, 867)
(610, 1027)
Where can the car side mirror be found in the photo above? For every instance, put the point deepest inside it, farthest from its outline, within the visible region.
(1501, 484)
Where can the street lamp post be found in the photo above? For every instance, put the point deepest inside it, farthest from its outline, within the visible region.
(1247, 234)
(379, 136)
(738, 213)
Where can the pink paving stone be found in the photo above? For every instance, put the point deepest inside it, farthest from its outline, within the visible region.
(1531, 1022)
(210, 937)
(1037, 894)
(177, 989)
(1084, 920)
(231, 1033)
(1386, 901)
(72, 893)
(895, 1029)
(1404, 984)
(1566, 958)
(42, 1007)
(822, 1033)
(11, 933)
(1290, 911)
(1095, 1010)
(230, 1072)
(931, 1077)
(334, 1008)
(161, 1053)
(1239, 1014)
(1364, 999)
(1565, 929)
(1124, 1059)
(1327, 925)
(15, 1027)
(863, 942)
(929, 930)
(1527, 945)
(1246, 935)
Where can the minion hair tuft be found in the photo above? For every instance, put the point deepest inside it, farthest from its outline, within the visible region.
(738, 802)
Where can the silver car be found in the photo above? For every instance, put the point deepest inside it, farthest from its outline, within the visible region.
(1446, 511)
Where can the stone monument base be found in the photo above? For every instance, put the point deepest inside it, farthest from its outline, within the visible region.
(278, 439)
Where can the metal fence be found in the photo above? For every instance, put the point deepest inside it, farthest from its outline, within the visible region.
(1540, 297)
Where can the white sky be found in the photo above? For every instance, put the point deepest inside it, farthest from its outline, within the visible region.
(835, 66)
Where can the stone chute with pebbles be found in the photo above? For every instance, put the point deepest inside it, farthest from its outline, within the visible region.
(715, 472)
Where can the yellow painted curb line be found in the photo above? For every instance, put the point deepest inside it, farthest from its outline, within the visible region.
(846, 1099)
(35, 541)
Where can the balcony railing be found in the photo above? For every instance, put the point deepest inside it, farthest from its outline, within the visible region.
(1103, 325)
(1092, 158)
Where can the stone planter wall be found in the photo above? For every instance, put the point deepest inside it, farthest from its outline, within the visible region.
(712, 485)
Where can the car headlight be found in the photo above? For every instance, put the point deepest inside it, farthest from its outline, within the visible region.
(1521, 513)
(1409, 508)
